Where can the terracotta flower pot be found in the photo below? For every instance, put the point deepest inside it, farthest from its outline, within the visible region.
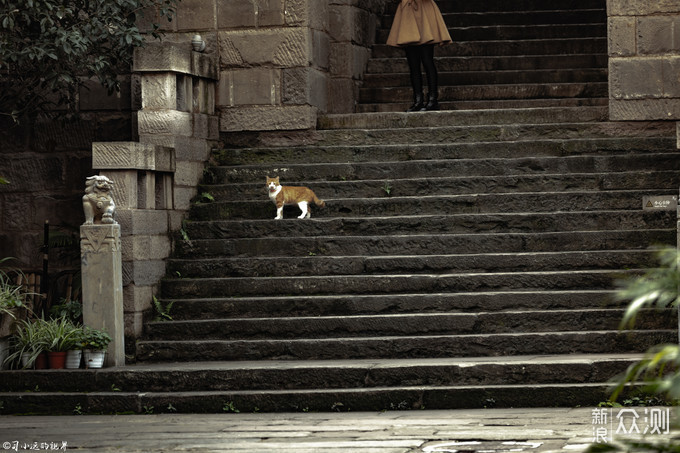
(41, 362)
(57, 360)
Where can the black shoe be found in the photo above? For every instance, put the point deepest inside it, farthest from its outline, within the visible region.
(418, 103)
(432, 103)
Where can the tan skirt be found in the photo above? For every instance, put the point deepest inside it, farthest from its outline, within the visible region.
(418, 22)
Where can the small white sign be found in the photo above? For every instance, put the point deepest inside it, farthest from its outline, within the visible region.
(660, 203)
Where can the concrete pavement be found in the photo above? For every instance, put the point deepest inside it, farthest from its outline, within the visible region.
(484, 430)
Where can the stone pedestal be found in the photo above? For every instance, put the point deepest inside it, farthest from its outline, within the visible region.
(102, 280)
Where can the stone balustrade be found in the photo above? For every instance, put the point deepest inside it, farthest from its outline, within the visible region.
(156, 178)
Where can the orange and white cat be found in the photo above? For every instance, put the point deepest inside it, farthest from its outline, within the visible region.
(287, 195)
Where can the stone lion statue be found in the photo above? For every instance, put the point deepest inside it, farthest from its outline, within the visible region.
(97, 202)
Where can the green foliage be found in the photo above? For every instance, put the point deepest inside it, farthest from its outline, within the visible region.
(69, 309)
(29, 339)
(657, 288)
(49, 48)
(59, 334)
(3, 180)
(11, 295)
(206, 197)
(387, 188)
(162, 312)
(95, 339)
(230, 407)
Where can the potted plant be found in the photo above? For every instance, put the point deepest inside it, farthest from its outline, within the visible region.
(60, 336)
(27, 345)
(75, 354)
(94, 343)
(12, 303)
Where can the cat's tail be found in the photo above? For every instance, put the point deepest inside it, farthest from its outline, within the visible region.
(318, 202)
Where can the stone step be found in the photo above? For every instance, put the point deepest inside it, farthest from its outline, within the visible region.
(426, 244)
(518, 32)
(528, 202)
(484, 6)
(465, 118)
(552, 16)
(315, 400)
(485, 104)
(428, 346)
(525, 47)
(387, 283)
(411, 324)
(396, 134)
(316, 385)
(561, 76)
(377, 188)
(442, 168)
(435, 224)
(340, 374)
(357, 304)
(256, 266)
(482, 63)
(492, 92)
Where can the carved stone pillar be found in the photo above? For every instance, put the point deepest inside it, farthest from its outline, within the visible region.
(102, 268)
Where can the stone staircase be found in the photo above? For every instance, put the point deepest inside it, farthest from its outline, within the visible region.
(519, 54)
(453, 267)
(464, 258)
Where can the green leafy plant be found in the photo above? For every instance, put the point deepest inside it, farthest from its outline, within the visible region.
(162, 312)
(94, 339)
(230, 407)
(51, 49)
(11, 295)
(69, 309)
(660, 367)
(656, 288)
(206, 198)
(387, 188)
(59, 335)
(28, 341)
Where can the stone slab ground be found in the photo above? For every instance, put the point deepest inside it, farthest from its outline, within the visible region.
(490, 430)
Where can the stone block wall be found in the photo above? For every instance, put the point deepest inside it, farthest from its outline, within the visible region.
(353, 26)
(282, 62)
(274, 63)
(644, 59)
(46, 163)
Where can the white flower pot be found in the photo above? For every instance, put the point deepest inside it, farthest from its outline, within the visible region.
(73, 359)
(94, 359)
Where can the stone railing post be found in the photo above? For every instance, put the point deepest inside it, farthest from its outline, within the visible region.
(101, 267)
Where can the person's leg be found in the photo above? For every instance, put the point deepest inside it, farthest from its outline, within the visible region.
(413, 57)
(432, 77)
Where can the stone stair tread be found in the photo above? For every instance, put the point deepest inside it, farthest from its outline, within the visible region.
(484, 116)
(407, 346)
(411, 324)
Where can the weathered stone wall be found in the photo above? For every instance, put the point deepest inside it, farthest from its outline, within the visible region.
(274, 63)
(644, 59)
(46, 164)
(353, 25)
